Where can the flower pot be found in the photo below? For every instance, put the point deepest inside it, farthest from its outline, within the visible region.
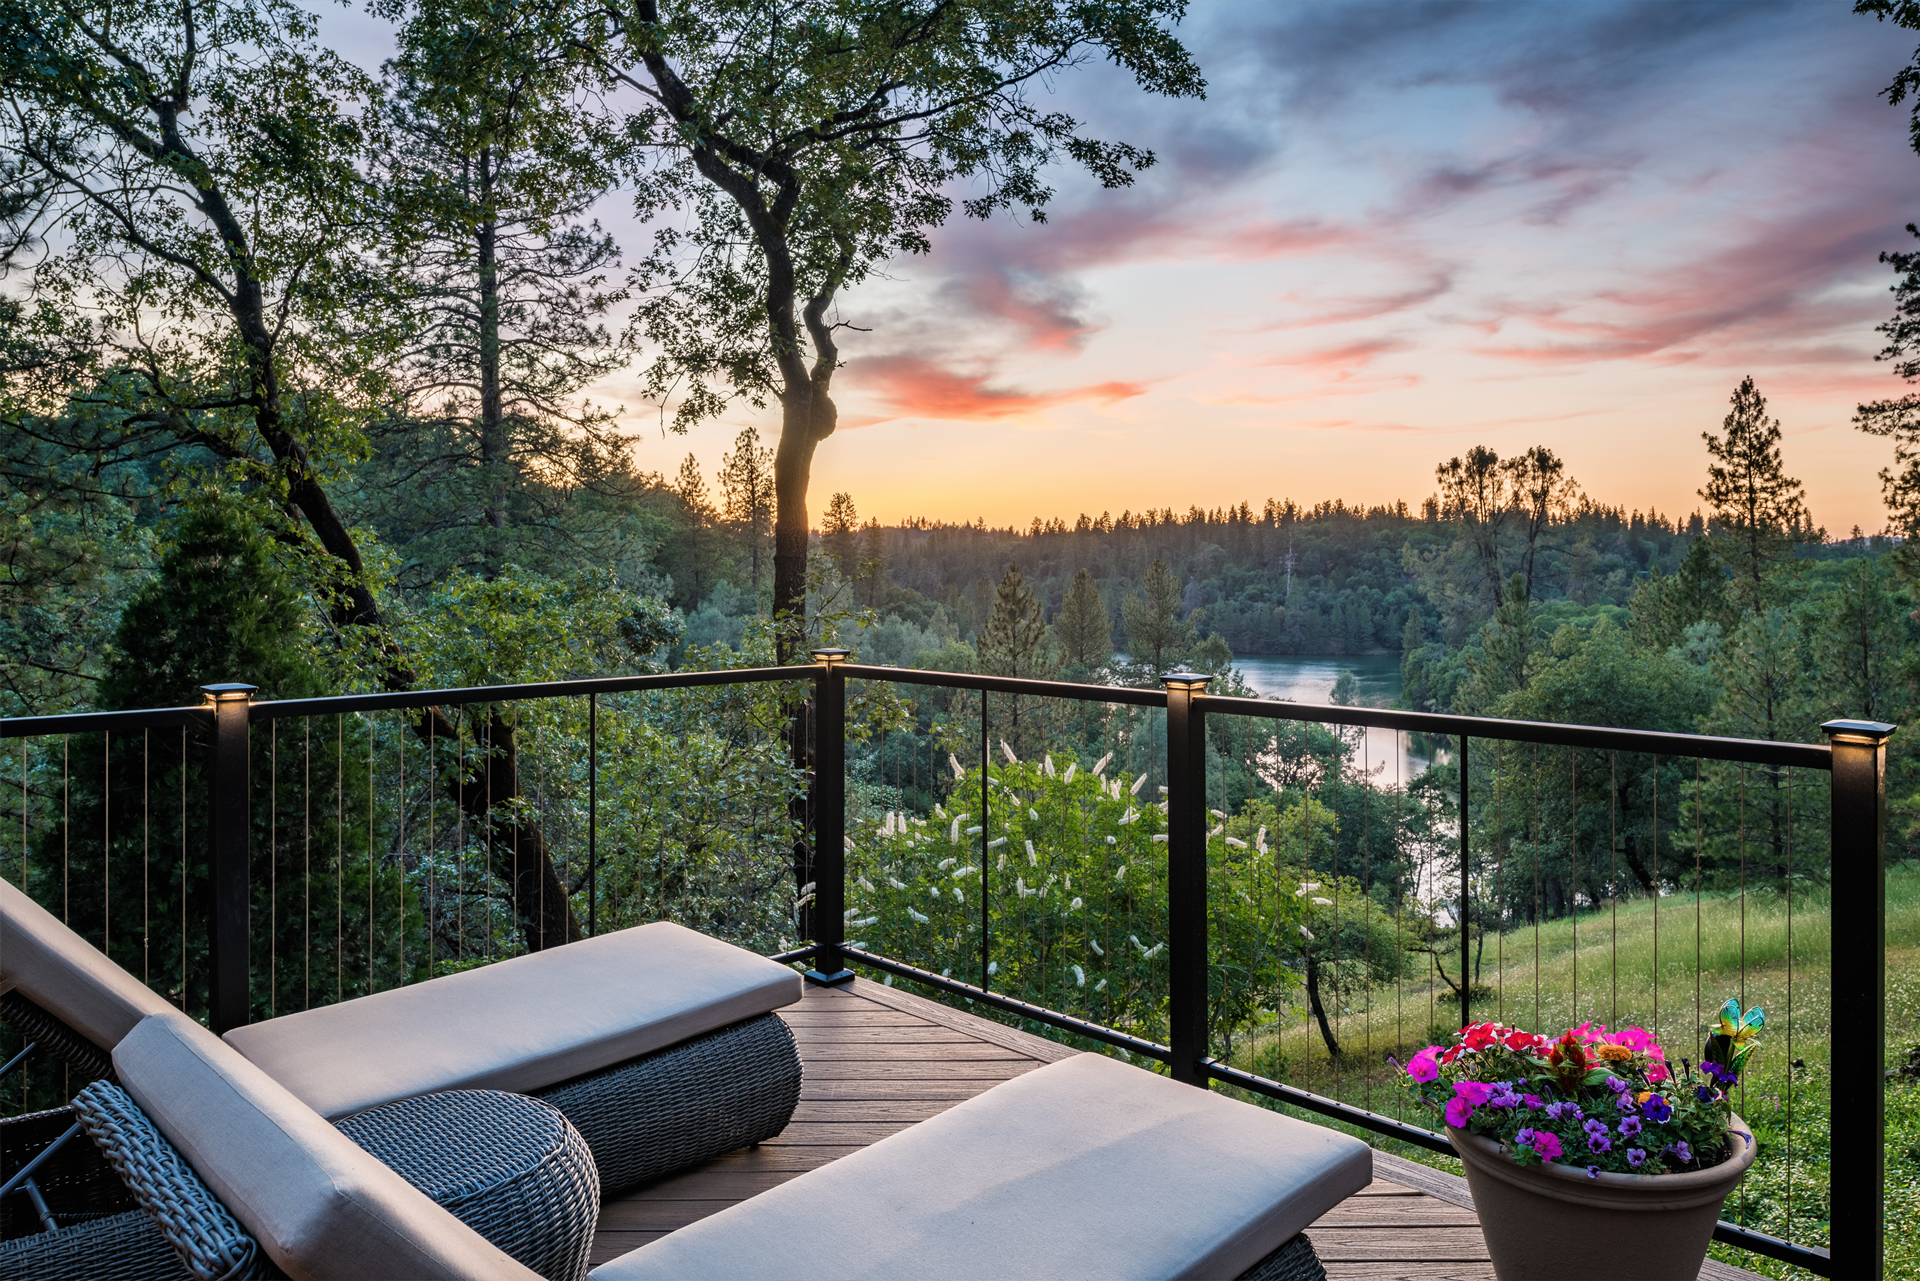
(1550, 1221)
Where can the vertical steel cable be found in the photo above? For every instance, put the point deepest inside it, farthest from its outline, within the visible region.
(432, 903)
(66, 834)
(400, 890)
(306, 858)
(183, 867)
(1613, 871)
(146, 855)
(486, 764)
(1699, 794)
(1366, 902)
(593, 814)
(339, 855)
(459, 842)
(1656, 897)
(986, 811)
(106, 843)
(1792, 1170)
(1399, 942)
(373, 803)
(273, 868)
(1533, 845)
(1573, 860)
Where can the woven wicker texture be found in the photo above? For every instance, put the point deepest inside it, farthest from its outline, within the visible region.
(88, 1060)
(686, 1103)
(208, 1239)
(508, 1166)
(1293, 1261)
(76, 1181)
(124, 1247)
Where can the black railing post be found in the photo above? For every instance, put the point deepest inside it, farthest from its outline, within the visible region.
(227, 859)
(1187, 878)
(830, 818)
(1859, 913)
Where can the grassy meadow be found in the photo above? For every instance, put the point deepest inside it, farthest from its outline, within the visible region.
(1643, 965)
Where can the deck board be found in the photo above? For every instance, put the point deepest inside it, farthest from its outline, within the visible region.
(878, 1060)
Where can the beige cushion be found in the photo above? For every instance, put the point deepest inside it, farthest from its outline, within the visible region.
(67, 976)
(1083, 1168)
(521, 1024)
(319, 1205)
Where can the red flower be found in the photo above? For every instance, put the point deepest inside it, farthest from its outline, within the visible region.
(1480, 1036)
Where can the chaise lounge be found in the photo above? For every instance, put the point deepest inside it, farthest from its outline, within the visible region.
(658, 1043)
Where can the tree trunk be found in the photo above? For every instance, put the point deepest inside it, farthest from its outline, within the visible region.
(493, 432)
(1319, 1009)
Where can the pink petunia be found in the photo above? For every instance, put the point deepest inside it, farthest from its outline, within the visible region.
(1657, 1073)
(1458, 1110)
(1474, 1092)
(1547, 1145)
(1425, 1066)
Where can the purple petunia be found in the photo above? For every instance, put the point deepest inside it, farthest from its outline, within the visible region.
(1595, 1127)
(1636, 1158)
(1564, 1112)
(1705, 1093)
(1724, 1077)
(1593, 1172)
(1630, 1126)
(1532, 1101)
(1615, 1084)
(1599, 1142)
(1682, 1151)
(1656, 1109)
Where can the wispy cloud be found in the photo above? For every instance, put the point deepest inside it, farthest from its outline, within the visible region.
(914, 387)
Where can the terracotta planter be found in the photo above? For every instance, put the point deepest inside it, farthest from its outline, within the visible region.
(1555, 1222)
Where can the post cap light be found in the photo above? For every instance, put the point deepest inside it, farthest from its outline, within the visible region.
(1187, 682)
(1868, 732)
(222, 693)
(830, 656)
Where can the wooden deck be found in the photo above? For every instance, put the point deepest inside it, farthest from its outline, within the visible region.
(878, 1060)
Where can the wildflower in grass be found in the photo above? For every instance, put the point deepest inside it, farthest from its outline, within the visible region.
(1073, 767)
(1101, 764)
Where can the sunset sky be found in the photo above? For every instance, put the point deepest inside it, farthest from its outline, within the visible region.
(1391, 232)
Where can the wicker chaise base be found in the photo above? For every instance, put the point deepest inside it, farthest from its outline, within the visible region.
(1293, 1261)
(530, 1188)
(124, 1247)
(681, 1105)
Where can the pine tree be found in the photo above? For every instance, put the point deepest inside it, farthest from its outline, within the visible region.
(695, 553)
(873, 564)
(1666, 605)
(840, 535)
(1156, 638)
(1012, 641)
(746, 487)
(1083, 625)
(1756, 508)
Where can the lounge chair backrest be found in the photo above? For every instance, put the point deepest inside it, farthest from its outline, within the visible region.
(318, 1205)
(67, 976)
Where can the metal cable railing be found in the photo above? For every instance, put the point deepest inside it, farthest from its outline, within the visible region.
(1170, 874)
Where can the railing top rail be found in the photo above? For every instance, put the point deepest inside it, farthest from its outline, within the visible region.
(1009, 685)
(1758, 751)
(509, 693)
(93, 722)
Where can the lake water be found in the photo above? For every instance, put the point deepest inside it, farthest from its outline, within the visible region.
(1310, 680)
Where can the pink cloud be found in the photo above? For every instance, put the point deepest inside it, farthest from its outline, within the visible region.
(914, 387)
(1342, 360)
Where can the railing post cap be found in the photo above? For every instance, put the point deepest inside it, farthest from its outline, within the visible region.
(830, 655)
(232, 689)
(1192, 682)
(1858, 731)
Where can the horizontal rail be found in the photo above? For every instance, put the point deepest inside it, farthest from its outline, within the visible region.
(1038, 1013)
(1378, 1122)
(512, 693)
(1811, 1257)
(798, 954)
(94, 722)
(1009, 685)
(1757, 751)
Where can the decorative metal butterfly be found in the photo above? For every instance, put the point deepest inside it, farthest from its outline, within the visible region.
(1731, 1038)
